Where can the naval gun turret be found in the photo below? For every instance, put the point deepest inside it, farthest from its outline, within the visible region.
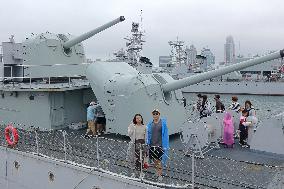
(44, 76)
(48, 54)
(122, 92)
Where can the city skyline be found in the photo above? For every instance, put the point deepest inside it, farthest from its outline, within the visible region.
(229, 50)
(255, 25)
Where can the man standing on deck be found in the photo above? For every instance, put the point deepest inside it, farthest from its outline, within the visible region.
(158, 141)
(91, 119)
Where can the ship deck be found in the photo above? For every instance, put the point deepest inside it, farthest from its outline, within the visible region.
(220, 168)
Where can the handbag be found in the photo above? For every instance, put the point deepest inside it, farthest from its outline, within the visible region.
(146, 164)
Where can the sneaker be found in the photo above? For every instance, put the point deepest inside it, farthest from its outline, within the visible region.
(160, 178)
(245, 146)
(133, 175)
(86, 136)
(221, 142)
(142, 175)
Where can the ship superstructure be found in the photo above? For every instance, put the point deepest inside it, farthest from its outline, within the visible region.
(133, 54)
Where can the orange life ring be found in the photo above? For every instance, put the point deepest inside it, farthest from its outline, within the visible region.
(14, 141)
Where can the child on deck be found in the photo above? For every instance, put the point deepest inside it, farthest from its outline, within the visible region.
(243, 128)
(228, 136)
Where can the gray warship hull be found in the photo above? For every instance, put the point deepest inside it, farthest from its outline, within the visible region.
(32, 174)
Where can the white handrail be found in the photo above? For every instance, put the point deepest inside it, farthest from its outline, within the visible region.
(11, 77)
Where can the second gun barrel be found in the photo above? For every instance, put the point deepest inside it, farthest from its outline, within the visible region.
(79, 39)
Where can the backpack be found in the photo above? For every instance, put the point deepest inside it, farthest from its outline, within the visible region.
(222, 107)
(206, 110)
(99, 111)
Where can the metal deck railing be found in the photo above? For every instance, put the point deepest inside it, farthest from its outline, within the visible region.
(182, 170)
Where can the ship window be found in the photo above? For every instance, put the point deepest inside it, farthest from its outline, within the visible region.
(168, 96)
(31, 97)
(51, 176)
(16, 164)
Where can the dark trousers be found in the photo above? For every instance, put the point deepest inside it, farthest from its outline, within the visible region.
(139, 145)
(243, 134)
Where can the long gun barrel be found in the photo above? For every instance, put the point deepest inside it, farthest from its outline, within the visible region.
(215, 73)
(91, 33)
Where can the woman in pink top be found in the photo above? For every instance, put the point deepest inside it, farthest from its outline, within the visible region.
(228, 136)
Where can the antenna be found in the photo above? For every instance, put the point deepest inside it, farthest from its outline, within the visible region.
(239, 47)
(141, 20)
(12, 39)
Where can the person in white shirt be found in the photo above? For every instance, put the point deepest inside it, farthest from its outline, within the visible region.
(137, 134)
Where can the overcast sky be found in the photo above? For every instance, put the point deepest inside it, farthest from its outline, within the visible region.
(257, 25)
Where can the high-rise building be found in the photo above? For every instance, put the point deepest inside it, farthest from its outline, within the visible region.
(210, 58)
(191, 53)
(229, 49)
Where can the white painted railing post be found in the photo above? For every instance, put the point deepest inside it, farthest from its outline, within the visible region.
(64, 145)
(192, 174)
(37, 145)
